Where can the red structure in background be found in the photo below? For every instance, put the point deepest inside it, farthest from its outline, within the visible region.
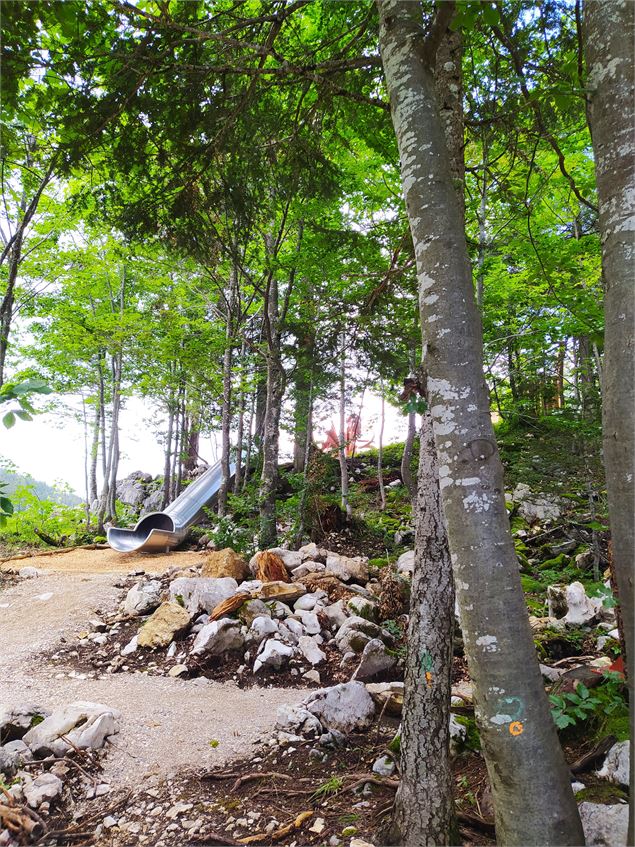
(352, 437)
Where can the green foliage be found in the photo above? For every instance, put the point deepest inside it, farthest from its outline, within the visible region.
(472, 737)
(326, 789)
(65, 524)
(394, 628)
(573, 706)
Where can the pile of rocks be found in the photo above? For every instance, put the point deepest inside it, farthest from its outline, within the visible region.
(35, 747)
(282, 610)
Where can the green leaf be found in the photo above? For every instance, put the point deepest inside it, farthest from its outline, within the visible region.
(490, 15)
(8, 420)
(6, 505)
(24, 415)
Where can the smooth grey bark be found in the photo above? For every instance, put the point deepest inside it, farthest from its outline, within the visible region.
(380, 452)
(424, 804)
(609, 30)
(240, 429)
(226, 414)
(341, 451)
(94, 452)
(512, 710)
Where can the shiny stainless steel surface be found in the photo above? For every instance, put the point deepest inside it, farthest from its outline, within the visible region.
(160, 531)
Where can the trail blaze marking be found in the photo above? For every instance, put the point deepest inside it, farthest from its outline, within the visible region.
(426, 667)
(516, 728)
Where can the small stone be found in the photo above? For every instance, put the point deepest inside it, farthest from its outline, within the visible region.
(109, 821)
(384, 766)
(169, 620)
(28, 572)
(178, 670)
(349, 830)
(318, 826)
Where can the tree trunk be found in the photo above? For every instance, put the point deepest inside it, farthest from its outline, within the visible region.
(94, 452)
(226, 416)
(609, 31)
(424, 805)
(271, 437)
(406, 459)
(303, 394)
(167, 463)
(380, 452)
(341, 452)
(6, 306)
(240, 430)
(513, 712)
(250, 439)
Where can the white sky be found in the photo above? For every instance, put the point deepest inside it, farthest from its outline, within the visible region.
(51, 447)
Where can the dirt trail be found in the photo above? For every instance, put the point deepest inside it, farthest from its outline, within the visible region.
(167, 723)
(80, 560)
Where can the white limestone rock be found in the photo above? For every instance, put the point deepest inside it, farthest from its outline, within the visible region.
(202, 594)
(85, 725)
(582, 609)
(345, 707)
(406, 562)
(348, 568)
(375, 660)
(220, 638)
(604, 826)
(310, 650)
(143, 598)
(616, 764)
(273, 654)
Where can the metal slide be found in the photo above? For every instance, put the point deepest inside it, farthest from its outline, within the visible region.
(160, 531)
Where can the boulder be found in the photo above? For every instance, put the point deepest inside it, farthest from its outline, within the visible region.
(298, 720)
(346, 707)
(45, 787)
(310, 650)
(273, 654)
(616, 764)
(311, 552)
(355, 633)
(310, 622)
(604, 826)
(262, 627)
(202, 594)
(169, 620)
(375, 660)
(13, 756)
(219, 638)
(28, 572)
(336, 614)
(153, 502)
(387, 696)
(535, 507)
(384, 766)
(283, 591)
(224, 563)
(308, 602)
(253, 609)
(363, 608)
(348, 568)
(581, 609)
(84, 725)
(16, 721)
(143, 598)
(132, 490)
(406, 562)
(307, 568)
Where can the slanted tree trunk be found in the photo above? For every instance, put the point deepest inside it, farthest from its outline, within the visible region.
(424, 805)
(6, 305)
(609, 35)
(240, 429)
(512, 709)
(271, 438)
(167, 463)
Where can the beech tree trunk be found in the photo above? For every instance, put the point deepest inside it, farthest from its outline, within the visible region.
(424, 805)
(609, 36)
(512, 709)
(380, 453)
(226, 415)
(341, 452)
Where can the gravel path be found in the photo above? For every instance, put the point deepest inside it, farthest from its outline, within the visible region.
(167, 723)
